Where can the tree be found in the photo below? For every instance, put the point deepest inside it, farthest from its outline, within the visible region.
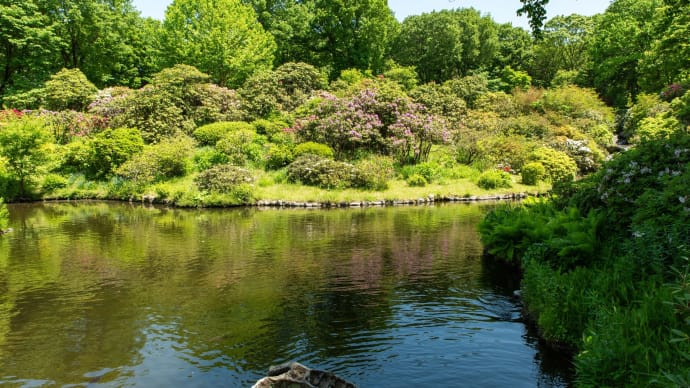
(668, 59)
(621, 37)
(564, 45)
(28, 44)
(536, 13)
(515, 48)
(106, 39)
(446, 44)
(331, 34)
(219, 37)
(21, 144)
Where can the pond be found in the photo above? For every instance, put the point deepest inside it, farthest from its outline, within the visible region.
(118, 294)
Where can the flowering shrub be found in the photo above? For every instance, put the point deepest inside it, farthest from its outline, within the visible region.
(375, 119)
(68, 124)
(414, 133)
(344, 124)
(673, 90)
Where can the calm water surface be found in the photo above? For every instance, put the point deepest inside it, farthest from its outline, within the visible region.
(104, 294)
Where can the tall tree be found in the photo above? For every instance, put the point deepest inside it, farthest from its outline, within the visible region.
(219, 37)
(331, 34)
(668, 59)
(623, 33)
(564, 46)
(515, 48)
(28, 44)
(103, 38)
(446, 44)
(536, 13)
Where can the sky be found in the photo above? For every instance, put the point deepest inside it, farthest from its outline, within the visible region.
(502, 11)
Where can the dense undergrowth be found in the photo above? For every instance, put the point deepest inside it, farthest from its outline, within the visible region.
(605, 265)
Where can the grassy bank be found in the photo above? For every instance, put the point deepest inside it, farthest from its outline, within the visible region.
(270, 186)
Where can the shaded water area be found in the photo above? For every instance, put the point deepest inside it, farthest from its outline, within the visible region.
(112, 294)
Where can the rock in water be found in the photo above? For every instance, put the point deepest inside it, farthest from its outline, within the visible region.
(296, 375)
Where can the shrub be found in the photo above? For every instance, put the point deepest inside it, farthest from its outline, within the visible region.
(52, 182)
(655, 128)
(494, 179)
(242, 145)
(207, 157)
(4, 215)
(278, 156)
(109, 149)
(440, 100)
(559, 166)
(375, 172)
(429, 170)
(312, 148)
(532, 173)
(209, 134)
(69, 89)
(313, 170)
(416, 180)
(223, 178)
(167, 159)
(269, 127)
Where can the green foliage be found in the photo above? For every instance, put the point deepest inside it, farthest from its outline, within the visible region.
(532, 173)
(69, 89)
(242, 145)
(109, 149)
(312, 148)
(440, 100)
(22, 144)
(166, 159)
(209, 134)
(514, 79)
(223, 178)
(279, 156)
(559, 166)
(655, 128)
(326, 173)
(445, 44)
(494, 179)
(646, 106)
(430, 171)
(52, 182)
(406, 76)
(375, 172)
(221, 38)
(207, 157)
(416, 180)
(270, 128)
(621, 37)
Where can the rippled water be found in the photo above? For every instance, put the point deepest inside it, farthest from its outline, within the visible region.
(104, 294)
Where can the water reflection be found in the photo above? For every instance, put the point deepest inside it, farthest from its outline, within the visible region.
(119, 294)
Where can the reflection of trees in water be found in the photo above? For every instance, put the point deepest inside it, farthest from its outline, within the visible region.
(252, 285)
